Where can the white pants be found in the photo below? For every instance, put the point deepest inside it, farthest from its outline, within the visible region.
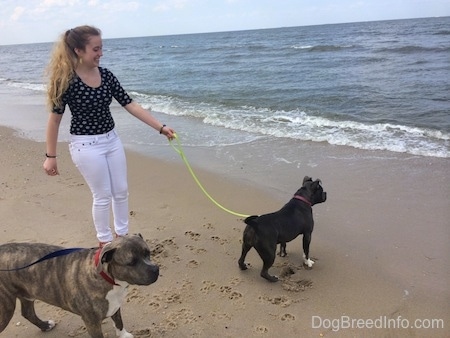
(102, 162)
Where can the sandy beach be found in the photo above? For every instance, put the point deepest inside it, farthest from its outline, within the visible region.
(401, 281)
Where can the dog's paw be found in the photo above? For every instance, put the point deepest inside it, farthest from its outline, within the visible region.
(282, 254)
(242, 265)
(270, 278)
(308, 262)
(123, 334)
(50, 325)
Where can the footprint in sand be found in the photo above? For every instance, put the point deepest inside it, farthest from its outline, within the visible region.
(208, 226)
(235, 295)
(227, 290)
(176, 259)
(296, 285)
(154, 305)
(235, 281)
(220, 316)
(174, 298)
(207, 286)
(192, 235)
(261, 329)
(169, 324)
(160, 248)
(157, 249)
(185, 316)
(167, 297)
(77, 332)
(142, 333)
(174, 295)
(186, 284)
(287, 317)
(196, 250)
(134, 294)
(170, 242)
(219, 240)
(283, 301)
(192, 264)
(287, 271)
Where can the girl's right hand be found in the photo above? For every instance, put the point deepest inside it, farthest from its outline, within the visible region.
(51, 167)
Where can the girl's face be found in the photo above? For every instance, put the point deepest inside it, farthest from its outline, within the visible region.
(90, 56)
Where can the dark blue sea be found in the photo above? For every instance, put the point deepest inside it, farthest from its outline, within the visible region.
(374, 85)
(378, 87)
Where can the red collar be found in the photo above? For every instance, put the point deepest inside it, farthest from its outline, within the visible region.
(301, 198)
(105, 276)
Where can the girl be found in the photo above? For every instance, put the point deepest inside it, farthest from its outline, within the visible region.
(77, 80)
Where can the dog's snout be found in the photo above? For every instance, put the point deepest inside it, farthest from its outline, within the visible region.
(153, 273)
(324, 196)
(154, 269)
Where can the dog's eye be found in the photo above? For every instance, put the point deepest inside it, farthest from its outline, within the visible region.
(133, 262)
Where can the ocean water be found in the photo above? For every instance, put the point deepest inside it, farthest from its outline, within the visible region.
(267, 95)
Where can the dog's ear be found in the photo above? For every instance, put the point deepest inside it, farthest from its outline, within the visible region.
(316, 183)
(107, 253)
(306, 179)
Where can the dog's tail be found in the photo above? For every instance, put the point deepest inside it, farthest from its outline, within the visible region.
(251, 220)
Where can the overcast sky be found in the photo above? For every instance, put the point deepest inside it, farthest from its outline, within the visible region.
(30, 21)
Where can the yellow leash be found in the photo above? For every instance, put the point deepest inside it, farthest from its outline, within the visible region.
(180, 151)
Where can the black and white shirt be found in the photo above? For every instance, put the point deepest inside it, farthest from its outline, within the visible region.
(91, 114)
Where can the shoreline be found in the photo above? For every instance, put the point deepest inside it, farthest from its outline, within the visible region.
(380, 244)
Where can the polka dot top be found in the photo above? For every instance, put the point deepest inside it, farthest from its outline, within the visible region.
(90, 106)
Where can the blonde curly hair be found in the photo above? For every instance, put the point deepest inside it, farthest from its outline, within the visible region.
(64, 61)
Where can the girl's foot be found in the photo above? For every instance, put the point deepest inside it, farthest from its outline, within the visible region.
(102, 244)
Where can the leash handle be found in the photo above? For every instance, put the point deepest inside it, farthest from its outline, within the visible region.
(180, 152)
